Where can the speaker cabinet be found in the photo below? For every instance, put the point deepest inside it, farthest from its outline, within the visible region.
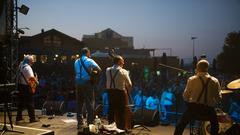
(146, 117)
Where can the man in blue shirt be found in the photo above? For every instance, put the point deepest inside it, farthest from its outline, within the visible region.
(84, 90)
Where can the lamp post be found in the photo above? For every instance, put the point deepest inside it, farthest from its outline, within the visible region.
(193, 51)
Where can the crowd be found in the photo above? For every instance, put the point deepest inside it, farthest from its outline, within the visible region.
(148, 94)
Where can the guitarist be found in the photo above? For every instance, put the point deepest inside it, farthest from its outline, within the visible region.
(26, 85)
(84, 86)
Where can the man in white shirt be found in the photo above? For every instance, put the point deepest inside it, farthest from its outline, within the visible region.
(118, 84)
(26, 92)
(202, 93)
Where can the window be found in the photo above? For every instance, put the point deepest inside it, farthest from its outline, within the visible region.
(57, 41)
(47, 40)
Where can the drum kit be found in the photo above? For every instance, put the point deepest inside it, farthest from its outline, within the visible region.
(224, 119)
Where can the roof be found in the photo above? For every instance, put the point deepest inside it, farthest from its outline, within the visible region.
(54, 31)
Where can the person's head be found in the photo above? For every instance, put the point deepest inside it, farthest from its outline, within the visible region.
(28, 59)
(118, 60)
(85, 52)
(202, 66)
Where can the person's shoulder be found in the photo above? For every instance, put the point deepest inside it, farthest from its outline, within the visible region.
(193, 77)
(124, 71)
(76, 60)
(89, 59)
(108, 68)
(26, 67)
(214, 78)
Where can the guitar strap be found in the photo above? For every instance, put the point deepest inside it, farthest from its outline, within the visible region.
(84, 66)
(23, 74)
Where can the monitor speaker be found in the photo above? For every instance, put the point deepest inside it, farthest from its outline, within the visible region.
(146, 117)
(54, 107)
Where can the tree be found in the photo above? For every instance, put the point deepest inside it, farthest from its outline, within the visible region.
(228, 60)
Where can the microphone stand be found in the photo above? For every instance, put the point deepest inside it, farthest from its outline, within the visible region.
(175, 93)
(141, 115)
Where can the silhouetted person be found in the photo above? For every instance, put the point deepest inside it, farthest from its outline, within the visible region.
(202, 93)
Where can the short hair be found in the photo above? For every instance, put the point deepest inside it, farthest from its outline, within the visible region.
(202, 65)
(27, 58)
(116, 59)
(84, 51)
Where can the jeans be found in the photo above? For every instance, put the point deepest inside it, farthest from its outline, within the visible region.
(85, 96)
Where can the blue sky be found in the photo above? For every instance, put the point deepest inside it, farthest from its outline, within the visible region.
(152, 23)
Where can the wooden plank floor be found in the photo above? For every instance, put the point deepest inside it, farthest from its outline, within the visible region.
(60, 126)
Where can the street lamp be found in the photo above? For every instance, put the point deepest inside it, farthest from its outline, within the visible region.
(193, 51)
(20, 30)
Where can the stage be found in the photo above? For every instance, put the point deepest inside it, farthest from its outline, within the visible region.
(63, 125)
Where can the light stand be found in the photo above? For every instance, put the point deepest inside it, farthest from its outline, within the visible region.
(5, 88)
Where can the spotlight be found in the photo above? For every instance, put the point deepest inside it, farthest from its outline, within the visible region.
(24, 9)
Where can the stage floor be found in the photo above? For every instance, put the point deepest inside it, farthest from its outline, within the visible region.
(63, 125)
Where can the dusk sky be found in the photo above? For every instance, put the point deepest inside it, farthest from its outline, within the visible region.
(152, 23)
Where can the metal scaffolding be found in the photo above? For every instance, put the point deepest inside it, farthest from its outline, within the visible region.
(11, 47)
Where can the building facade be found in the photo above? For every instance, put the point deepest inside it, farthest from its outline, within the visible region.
(108, 39)
(51, 45)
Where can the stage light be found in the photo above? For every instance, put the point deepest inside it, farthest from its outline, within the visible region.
(24, 9)
(20, 31)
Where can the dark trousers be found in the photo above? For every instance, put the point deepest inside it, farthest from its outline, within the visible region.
(119, 111)
(198, 112)
(85, 96)
(25, 99)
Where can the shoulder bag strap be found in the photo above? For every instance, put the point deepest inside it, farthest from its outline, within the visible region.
(80, 66)
(23, 75)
